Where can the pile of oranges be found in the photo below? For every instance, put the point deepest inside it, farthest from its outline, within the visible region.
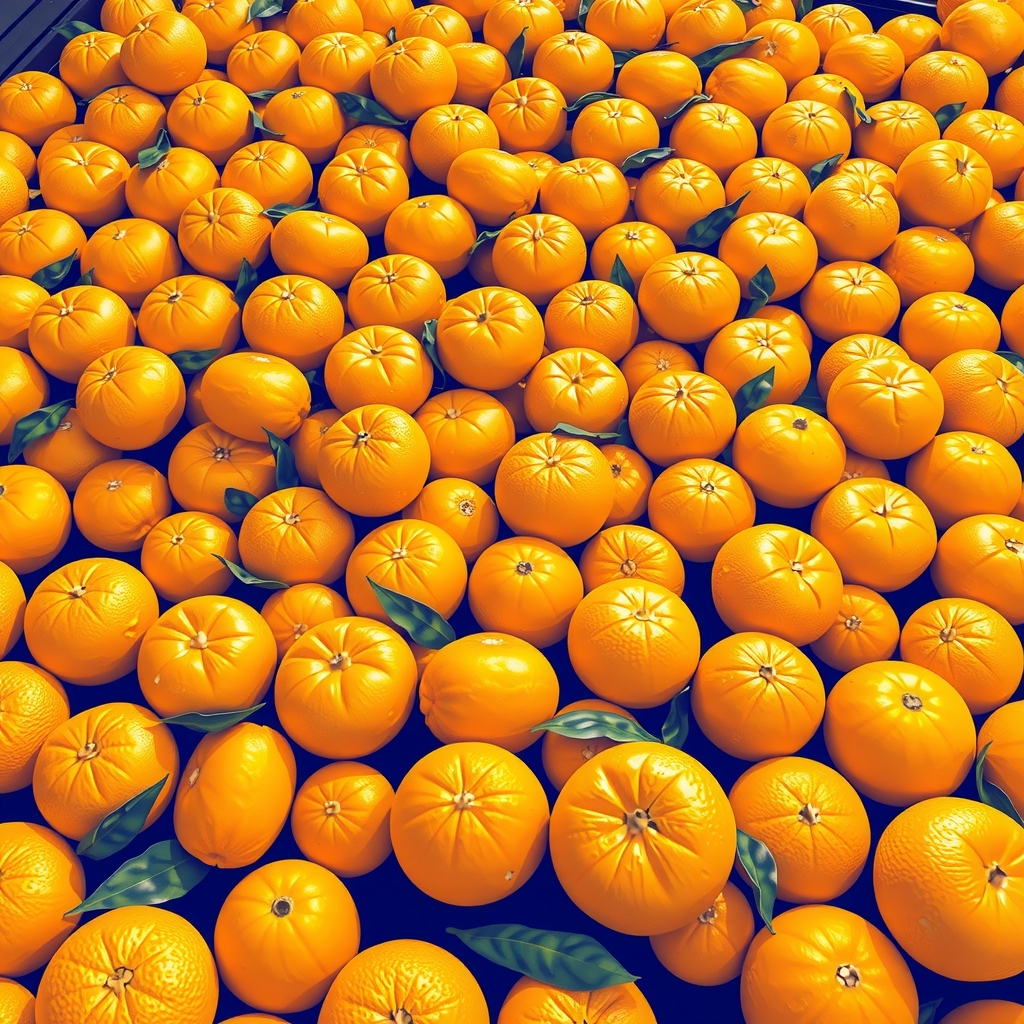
(381, 378)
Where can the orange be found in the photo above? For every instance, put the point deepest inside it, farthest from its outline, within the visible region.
(995, 244)
(13, 191)
(315, 244)
(121, 16)
(674, 194)
(897, 127)
(981, 392)
(946, 878)
(131, 258)
(997, 137)
(576, 63)
(267, 61)
(305, 443)
(915, 34)
(984, 1011)
(647, 359)
(396, 291)
(505, 20)
(161, 193)
(1008, 96)
(833, 22)
(577, 386)
(852, 218)
(529, 114)
(164, 53)
(272, 172)
(256, 765)
(719, 135)
(85, 180)
(633, 478)
(538, 255)
(748, 347)
(662, 81)
(221, 228)
(590, 193)
(461, 509)
(33, 704)
(638, 244)
(602, 313)
(21, 298)
(363, 185)
(61, 137)
(17, 1002)
(18, 152)
(633, 25)
(481, 69)
(125, 118)
(1002, 763)
(838, 964)
(468, 433)
(25, 389)
(755, 695)
(119, 502)
(956, 178)
(34, 516)
(900, 733)
(787, 46)
(865, 629)
(436, 229)
(337, 62)
(12, 608)
(190, 313)
(992, 34)
(781, 802)
(780, 243)
(805, 132)
(444, 132)
(344, 656)
(765, 9)
(769, 185)
(562, 755)
(212, 117)
(42, 877)
(413, 75)
(33, 105)
(308, 19)
(493, 186)
(852, 349)
(98, 759)
(533, 1000)
(291, 613)
(614, 129)
(630, 553)
(753, 87)
(922, 260)
(794, 321)
(176, 556)
(435, 21)
(873, 62)
(308, 118)
(526, 587)
(223, 24)
(697, 25)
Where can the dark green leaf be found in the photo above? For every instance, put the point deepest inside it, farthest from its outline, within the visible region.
(193, 360)
(516, 53)
(746, 5)
(72, 29)
(714, 56)
(584, 10)
(484, 236)
(50, 277)
(590, 435)
(36, 425)
(762, 288)
(726, 456)
(85, 278)
(811, 399)
(927, 1012)
(263, 94)
(257, 123)
(989, 793)
(574, 962)
(238, 502)
(284, 460)
(803, 8)
(154, 154)
(264, 9)
(643, 157)
(620, 276)
(211, 721)
(120, 826)
(759, 864)
(624, 437)
(591, 725)
(587, 98)
(823, 169)
(861, 115)
(310, 376)
(164, 872)
(946, 115)
(677, 724)
(428, 339)
(247, 577)
(709, 229)
(1012, 357)
(419, 620)
(624, 56)
(754, 393)
(247, 281)
(367, 111)
(281, 210)
(692, 101)
(392, 36)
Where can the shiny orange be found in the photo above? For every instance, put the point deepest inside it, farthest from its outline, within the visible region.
(363, 185)
(86, 180)
(631, 553)
(461, 509)
(646, 359)
(177, 556)
(995, 245)
(36, 239)
(805, 132)
(33, 105)
(162, 192)
(164, 53)
(33, 704)
(292, 612)
(397, 291)
(119, 502)
(752, 86)
(865, 629)
(747, 348)
(981, 392)
(266, 61)
(922, 260)
(942, 323)
(220, 229)
(577, 386)
(190, 313)
(676, 193)
(637, 243)
(717, 134)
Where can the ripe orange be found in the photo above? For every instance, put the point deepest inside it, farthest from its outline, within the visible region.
(33, 704)
(119, 502)
(442, 133)
(213, 118)
(221, 228)
(131, 258)
(753, 87)
(190, 313)
(689, 296)
(805, 132)
(660, 80)
(788, 46)
(164, 53)
(481, 70)
(461, 509)
(614, 129)
(538, 255)
(492, 185)
(267, 61)
(674, 194)
(590, 193)
(33, 105)
(35, 518)
(874, 62)
(126, 118)
(308, 118)
(943, 323)
(992, 35)
(68, 453)
(697, 25)
(177, 556)
(748, 347)
(436, 229)
(397, 291)
(271, 171)
(981, 392)
(223, 23)
(435, 21)
(16, 150)
(719, 135)
(849, 297)
(638, 244)
(291, 613)
(17, 1002)
(528, 998)
(997, 137)
(562, 755)
(646, 359)
(995, 245)
(413, 75)
(865, 629)
(915, 34)
(631, 553)
(21, 298)
(852, 218)
(13, 191)
(834, 22)
(852, 349)
(956, 178)
(363, 185)
(25, 389)
(161, 193)
(86, 180)
(12, 608)
(922, 260)
(768, 185)
(783, 245)
(578, 386)
(529, 114)
(315, 244)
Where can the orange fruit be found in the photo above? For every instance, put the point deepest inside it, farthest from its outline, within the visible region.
(981, 392)
(944, 323)
(164, 53)
(994, 244)
(413, 75)
(176, 556)
(21, 298)
(957, 179)
(980, 1011)
(776, 241)
(633, 478)
(436, 229)
(396, 291)
(794, 321)
(697, 25)
(131, 258)
(461, 509)
(266, 61)
(314, 244)
(575, 63)
(363, 185)
(768, 185)
(630, 553)
(896, 129)
(34, 704)
(590, 193)
(121, 16)
(13, 191)
(35, 518)
(1000, 733)
(833, 22)
(646, 359)
(865, 629)
(674, 194)
(529, 114)
(337, 62)
(85, 180)
(25, 389)
(68, 453)
(852, 349)
(992, 34)
(852, 218)
(305, 443)
(18, 152)
(638, 244)
(481, 69)
(915, 34)
(613, 129)
(221, 228)
(308, 118)
(633, 25)
(17, 1002)
(12, 608)
(788, 46)
(805, 132)
(753, 87)
(923, 260)
(849, 297)
(578, 386)
(538, 255)
(119, 502)
(873, 62)
(528, 998)
(493, 186)
(213, 118)
(291, 613)
(190, 313)
(719, 135)
(308, 19)
(125, 118)
(272, 172)
(223, 23)
(161, 193)
(997, 137)
(33, 105)
(747, 347)
(662, 81)
(444, 132)
(505, 20)
(562, 755)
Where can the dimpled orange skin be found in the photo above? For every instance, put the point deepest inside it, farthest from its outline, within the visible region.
(294, 611)
(533, 1002)
(562, 755)
(778, 580)
(626, 875)
(235, 794)
(97, 760)
(469, 824)
(405, 977)
(346, 687)
(35, 518)
(124, 960)
(949, 882)
(865, 629)
(755, 695)
(900, 733)
(986, 1011)
(85, 621)
(834, 965)
(982, 391)
(42, 879)
(631, 553)
(32, 705)
(17, 1004)
(488, 687)
(177, 556)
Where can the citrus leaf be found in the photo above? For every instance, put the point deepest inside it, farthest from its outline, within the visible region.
(516, 54)
(692, 101)
(811, 398)
(247, 281)
(238, 502)
(367, 111)
(623, 436)
(257, 123)
(621, 57)
(803, 8)
(946, 115)
(392, 36)
(590, 435)
(759, 864)
(754, 394)
(620, 276)
(428, 339)
(563, 959)
(643, 157)
(762, 288)
(746, 5)
(708, 230)
(677, 724)
(1012, 357)
(85, 278)
(281, 210)
(264, 9)
(726, 455)
(714, 56)
(162, 873)
(284, 461)
(194, 360)
(50, 277)
(484, 236)
(247, 577)
(263, 94)
(861, 115)
(587, 98)
(928, 1012)
(120, 826)
(151, 156)
(73, 29)
(420, 621)
(989, 793)
(592, 725)
(36, 425)
(584, 10)
(823, 169)
(211, 721)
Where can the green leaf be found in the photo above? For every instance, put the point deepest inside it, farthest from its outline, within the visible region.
(257, 123)
(419, 620)
(692, 101)
(746, 5)
(85, 278)
(823, 169)
(803, 8)
(264, 9)
(367, 111)
(392, 36)
(928, 1012)
(238, 502)
(714, 56)
(592, 725)
(811, 399)
(120, 826)
(677, 724)
(51, 277)
(762, 288)
(620, 276)
(1012, 357)
(584, 10)
(164, 872)
(484, 236)
(73, 29)
(574, 962)
(36, 425)
(247, 577)
(860, 115)
(643, 157)
(946, 115)
(281, 210)
(428, 339)
(516, 54)
(587, 98)
(624, 56)
(247, 281)
(754, 393)
(624, 437)
(759, 864)
(211, 721)
(154, 154)
(709, 229)
(725, 458)
(194, 360)
(263, 94)
(989, 793)
(284, 461)
(590, 435)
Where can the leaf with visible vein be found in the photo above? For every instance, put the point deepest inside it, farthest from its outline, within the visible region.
(989, 793)
(35, 425)
(426, 626)
(754, 394)
(193, 360)
(947, 114)
(677, 724)
(286, 475)
(621, 276)
(51, 276)
(823, 169)
(642, 157)
(211, 721)
(705, 232)
(121, 825)
(517, 53)
(692, 101)
(367, 111)
(759, 864)
(247, 577)
(591, 725)
(762, 288)
(152, 155)
(711, 58)
(281, 210)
